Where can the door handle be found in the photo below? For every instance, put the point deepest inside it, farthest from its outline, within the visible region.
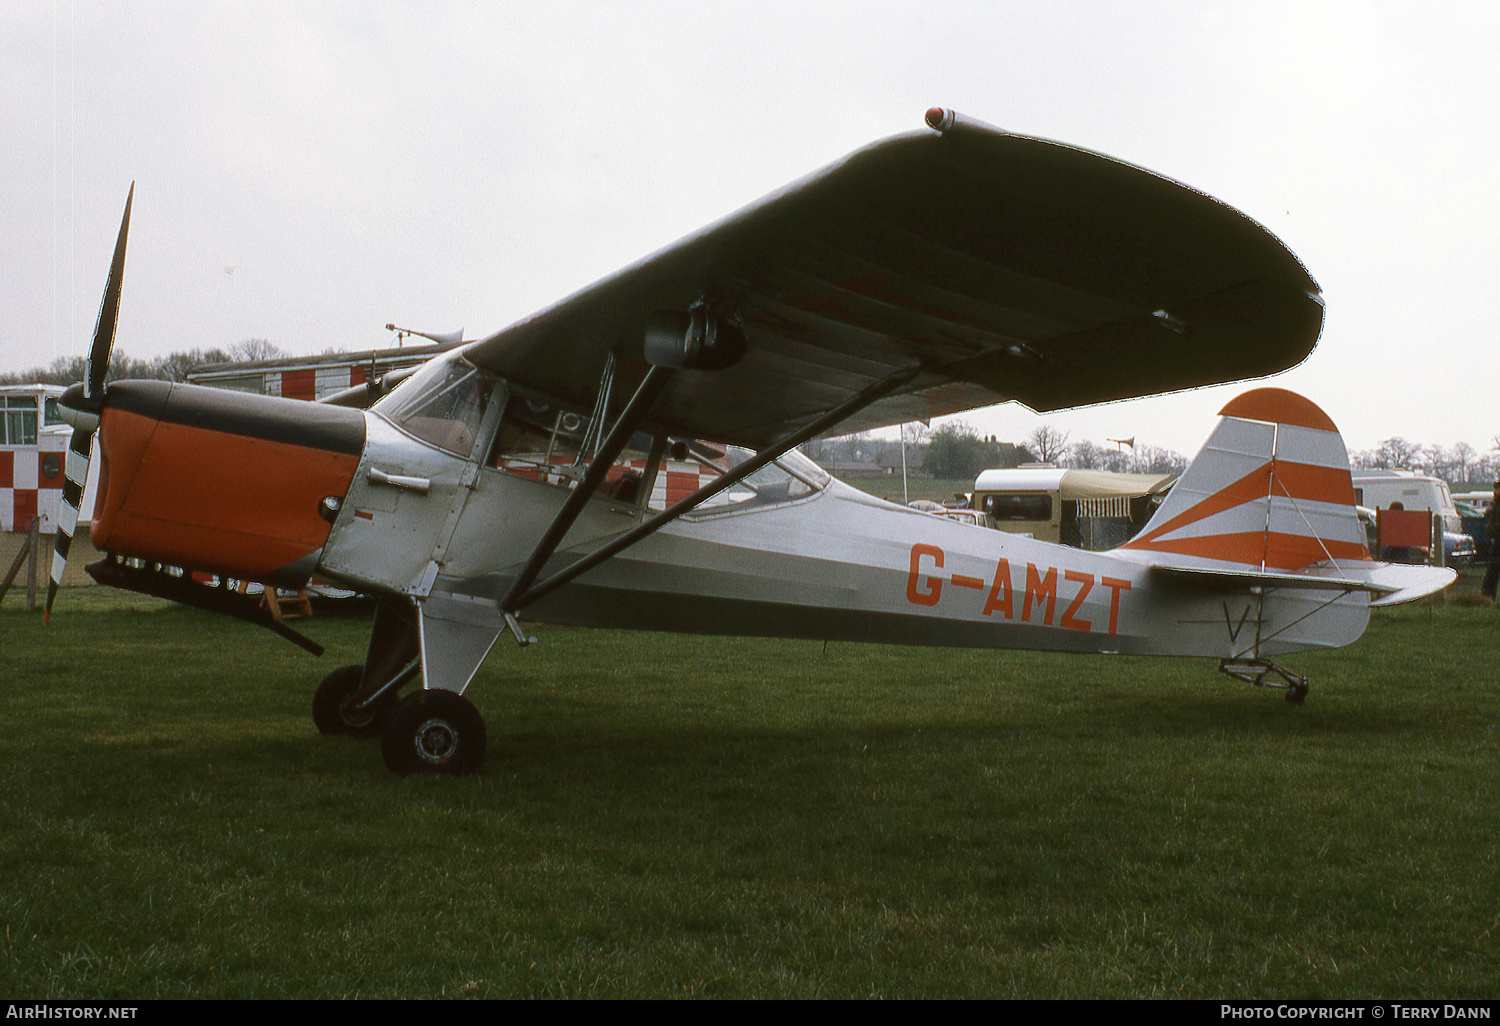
(420, 485)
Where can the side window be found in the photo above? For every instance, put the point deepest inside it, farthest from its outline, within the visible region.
(544, 442)
(1019, 506)
(793, 476)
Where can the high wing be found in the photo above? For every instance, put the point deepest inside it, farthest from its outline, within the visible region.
(995, 266)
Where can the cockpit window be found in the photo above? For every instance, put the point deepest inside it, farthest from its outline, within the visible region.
(545, 442)
(442, 403)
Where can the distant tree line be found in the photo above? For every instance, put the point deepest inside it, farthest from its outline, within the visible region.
(1465, 468)
(65, 370)
(957, 451)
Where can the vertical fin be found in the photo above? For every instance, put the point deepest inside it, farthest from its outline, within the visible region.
(1270, 490)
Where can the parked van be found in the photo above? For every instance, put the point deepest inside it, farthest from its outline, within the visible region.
(1407, 489)
(1088, 509)
(1381, 489)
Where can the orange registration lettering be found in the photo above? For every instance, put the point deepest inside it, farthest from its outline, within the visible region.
(1116, 586)
(999, 598)
(1039, 587)
(1068, 619)
(919, 593)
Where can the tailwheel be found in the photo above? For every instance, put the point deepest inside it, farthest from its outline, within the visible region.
(433, 732)
(1255, 671)
(336, 705)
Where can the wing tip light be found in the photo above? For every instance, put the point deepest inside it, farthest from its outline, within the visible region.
(942, 120)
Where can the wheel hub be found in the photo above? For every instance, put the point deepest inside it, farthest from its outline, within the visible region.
(437, 741)
(353, 716)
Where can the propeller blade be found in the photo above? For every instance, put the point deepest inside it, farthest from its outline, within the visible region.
(109, 311)
(76, 474)
(86, 420)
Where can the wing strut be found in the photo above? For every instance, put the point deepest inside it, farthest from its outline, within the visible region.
(519, 597)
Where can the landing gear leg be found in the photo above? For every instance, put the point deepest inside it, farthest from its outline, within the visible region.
(1255, 671)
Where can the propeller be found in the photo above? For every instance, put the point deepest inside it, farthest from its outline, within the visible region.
(81, 406)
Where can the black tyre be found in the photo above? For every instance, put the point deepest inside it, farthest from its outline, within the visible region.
(433, 732)
(332, 701)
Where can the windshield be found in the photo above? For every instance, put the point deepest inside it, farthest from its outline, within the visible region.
(442, 403)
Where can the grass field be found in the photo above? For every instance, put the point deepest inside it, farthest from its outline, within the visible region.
(672, 816)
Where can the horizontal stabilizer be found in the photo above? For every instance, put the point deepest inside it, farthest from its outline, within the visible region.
(1245, 580)
(1388, 584)
(1407, 583)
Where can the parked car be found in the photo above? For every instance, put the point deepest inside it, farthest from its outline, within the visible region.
(1459, 549)
(1476, 526)
(964, 516)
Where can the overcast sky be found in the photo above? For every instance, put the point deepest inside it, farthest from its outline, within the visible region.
(308, 172)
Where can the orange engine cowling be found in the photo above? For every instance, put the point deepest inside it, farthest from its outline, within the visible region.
(225, 482)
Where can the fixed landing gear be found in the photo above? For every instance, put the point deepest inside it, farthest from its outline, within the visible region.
(430, 731)
(1255, 671)
(438, 732)
(433, 731)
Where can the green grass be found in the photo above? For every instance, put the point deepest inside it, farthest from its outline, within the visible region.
(675, 816)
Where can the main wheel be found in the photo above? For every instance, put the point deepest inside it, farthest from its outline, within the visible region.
(433, 732)
(333, 705)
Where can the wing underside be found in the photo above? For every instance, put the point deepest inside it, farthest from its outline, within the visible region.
(998, 266)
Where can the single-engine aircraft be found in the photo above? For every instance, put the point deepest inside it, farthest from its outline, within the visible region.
(532, 472)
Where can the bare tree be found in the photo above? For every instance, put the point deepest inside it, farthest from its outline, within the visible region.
(1461, 458)
(1048, 443)
(175, 366)
(253, 349)
(1116, 461)
(1085, 455)
(1149, 459)
(1395, 454)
